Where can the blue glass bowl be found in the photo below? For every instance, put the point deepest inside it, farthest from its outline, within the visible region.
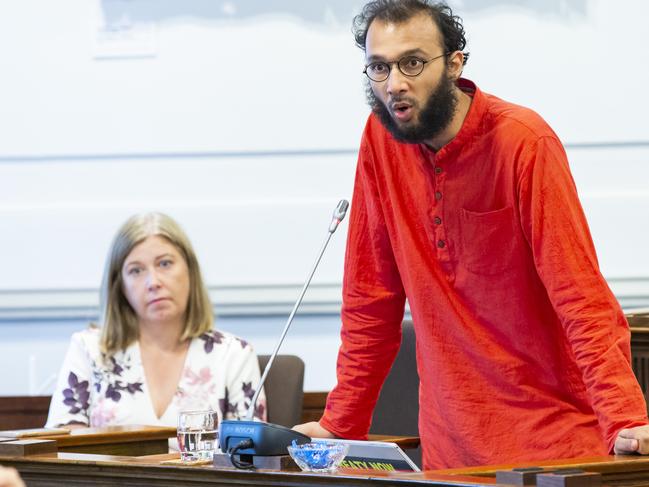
(318, 456)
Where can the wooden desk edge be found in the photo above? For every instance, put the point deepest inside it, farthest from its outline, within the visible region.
(148, 466)
(401, 441)
(126, 435)
(606, 464)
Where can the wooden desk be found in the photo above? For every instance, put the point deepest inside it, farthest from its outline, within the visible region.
(616, 470)
(80, 458)
(114, 440)
(68, 469)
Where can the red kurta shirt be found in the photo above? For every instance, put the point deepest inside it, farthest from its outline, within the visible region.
(522, 350)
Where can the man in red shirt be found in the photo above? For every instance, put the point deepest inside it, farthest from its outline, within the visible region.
(464, 205)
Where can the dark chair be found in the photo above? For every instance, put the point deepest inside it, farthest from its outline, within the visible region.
(397, 409)
(284, 389)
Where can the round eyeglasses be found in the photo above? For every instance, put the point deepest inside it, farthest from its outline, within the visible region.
(408, 65)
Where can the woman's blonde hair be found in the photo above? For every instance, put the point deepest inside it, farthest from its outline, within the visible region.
(119, 321)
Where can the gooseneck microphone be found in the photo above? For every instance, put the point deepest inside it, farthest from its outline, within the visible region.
(339, 214)
(248, 438)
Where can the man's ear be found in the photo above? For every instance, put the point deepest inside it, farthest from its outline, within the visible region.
(455, 64)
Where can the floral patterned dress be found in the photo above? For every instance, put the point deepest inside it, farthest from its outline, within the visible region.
(221, 372)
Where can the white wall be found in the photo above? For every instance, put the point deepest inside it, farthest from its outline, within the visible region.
(241, 119)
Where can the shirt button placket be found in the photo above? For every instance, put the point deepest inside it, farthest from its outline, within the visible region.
(440, 243)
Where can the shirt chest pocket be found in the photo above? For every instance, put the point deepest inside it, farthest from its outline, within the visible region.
(488, 240)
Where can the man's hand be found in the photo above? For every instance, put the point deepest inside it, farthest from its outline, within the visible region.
(313, 429)
(10, 478)
(632, 440)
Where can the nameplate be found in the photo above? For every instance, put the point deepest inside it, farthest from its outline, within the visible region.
(375, 455)
(383, 465)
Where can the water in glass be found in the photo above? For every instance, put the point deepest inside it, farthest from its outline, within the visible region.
(197, 435)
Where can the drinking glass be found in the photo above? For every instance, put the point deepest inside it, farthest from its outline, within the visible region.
(197, 435)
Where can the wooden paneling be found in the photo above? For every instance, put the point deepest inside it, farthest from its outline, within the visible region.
(313, 406)
(20, 412)
(639, 323)
(638, 319)
(640, 359)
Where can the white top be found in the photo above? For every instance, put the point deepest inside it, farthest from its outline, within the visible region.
(221, 372)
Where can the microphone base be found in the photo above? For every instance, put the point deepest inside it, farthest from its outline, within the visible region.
(267, 439)
(281, 463)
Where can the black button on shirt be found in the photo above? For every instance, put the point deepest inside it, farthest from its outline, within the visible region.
(437, 220)
(438, 195)
(441, 244)
(438, 170)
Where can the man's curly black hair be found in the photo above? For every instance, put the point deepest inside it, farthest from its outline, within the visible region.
(397, 11)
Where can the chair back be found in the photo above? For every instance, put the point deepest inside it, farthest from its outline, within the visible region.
(397, 410)
(284, 389)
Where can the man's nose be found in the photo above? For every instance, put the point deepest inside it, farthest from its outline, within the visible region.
(397, 82)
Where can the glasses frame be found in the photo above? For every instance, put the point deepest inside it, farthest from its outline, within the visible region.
(398, 63)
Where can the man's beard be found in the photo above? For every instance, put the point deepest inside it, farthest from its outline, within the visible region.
(434, 117)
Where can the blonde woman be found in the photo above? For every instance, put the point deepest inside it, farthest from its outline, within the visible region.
(157, 352)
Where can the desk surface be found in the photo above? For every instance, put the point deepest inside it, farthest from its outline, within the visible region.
(112, 434)
(69, 468)
(85, 469)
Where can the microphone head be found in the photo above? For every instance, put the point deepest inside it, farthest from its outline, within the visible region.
(341, 210)
(339, 214)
